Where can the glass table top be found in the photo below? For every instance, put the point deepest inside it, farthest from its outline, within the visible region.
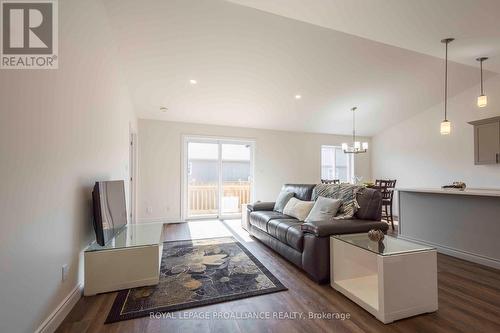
(388, 246)
(131, 236)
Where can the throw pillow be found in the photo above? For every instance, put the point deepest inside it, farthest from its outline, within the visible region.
(298, 208)
(345, 192)
(324, 209)
(282, 200)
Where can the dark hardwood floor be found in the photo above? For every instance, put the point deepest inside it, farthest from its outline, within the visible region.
(469, 299)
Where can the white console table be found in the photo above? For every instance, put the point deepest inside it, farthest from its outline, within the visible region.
(132, 259)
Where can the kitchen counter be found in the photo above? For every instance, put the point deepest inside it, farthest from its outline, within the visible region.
(464, 224)
(468, 191)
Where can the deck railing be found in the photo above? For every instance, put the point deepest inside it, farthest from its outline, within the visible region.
(203, 198)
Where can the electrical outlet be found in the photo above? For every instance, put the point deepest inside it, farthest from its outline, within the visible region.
(64, 271)
(149, 210)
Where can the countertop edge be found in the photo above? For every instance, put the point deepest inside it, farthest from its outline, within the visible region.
(472, 191)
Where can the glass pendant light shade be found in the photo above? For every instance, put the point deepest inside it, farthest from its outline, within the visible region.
(344, 146)
(482, 101)
(445, 127)
(357, 145)
(445, 124)
(365, 145)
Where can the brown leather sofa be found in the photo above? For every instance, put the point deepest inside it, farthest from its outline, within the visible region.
(307, 245)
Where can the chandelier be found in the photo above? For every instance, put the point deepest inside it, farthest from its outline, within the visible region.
(357, 147)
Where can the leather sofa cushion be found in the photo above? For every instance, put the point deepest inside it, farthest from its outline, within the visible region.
(287, 231)
(260, 206)
(370, 204)
(300, 191)
(286, 251)
(336, 227)
(259, 219)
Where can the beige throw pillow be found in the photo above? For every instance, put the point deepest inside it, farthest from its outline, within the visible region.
(324, 209)
(298, 208)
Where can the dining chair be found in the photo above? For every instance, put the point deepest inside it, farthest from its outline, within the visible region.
(386, 187)
(330, 181)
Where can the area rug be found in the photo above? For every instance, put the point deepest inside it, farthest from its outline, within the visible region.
(196, 273)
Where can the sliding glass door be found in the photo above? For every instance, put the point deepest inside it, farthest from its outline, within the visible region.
(236, 175)
(218, 177)
(202, 179)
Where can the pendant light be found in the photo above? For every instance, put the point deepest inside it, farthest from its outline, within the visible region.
(482, 100)
(445, 124)
(357, 147)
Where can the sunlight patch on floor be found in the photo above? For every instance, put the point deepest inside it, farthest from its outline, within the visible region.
(200, 229)
(235, 227)
(207, 229)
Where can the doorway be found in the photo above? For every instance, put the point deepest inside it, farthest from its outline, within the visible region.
(132, 169)
(217, 177)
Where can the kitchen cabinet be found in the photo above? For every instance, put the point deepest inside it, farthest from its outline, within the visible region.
(486, 141)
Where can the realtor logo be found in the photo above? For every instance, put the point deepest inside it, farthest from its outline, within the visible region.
(29, 34)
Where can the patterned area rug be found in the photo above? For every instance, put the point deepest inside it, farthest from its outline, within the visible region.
(195, 273)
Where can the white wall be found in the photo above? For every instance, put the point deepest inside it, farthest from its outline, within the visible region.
(414, 153)
(280, 157)
(61, 130)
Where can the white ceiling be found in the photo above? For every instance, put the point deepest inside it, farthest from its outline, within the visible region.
(416, 25)
(250, 64)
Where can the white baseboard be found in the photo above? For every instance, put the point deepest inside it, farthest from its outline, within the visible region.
(159, 220)
(476, 258)
(55, 319)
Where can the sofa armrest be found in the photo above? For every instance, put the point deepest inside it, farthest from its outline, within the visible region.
(337, 227)
(256, 206)
(318, 228)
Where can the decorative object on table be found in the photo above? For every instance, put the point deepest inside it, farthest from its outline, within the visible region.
(197, 273)
(386, 187)
(376, 247)
(357, 147)
(482, 100)
(369, 184)
(445, 124)
(456, 185)
(376, 235)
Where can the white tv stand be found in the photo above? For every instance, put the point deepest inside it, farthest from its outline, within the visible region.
(132, 259)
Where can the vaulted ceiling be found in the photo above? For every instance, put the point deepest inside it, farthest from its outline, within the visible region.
(250, 63)
(409, 24)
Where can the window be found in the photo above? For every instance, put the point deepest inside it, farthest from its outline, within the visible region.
(336, 165)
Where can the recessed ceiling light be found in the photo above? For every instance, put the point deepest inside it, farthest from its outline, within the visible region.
(298, 96)
(163, 109)
(193, 81)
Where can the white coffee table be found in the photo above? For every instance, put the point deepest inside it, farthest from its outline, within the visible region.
(392, 280)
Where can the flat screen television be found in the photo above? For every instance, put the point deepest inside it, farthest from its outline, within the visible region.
(110, 212)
